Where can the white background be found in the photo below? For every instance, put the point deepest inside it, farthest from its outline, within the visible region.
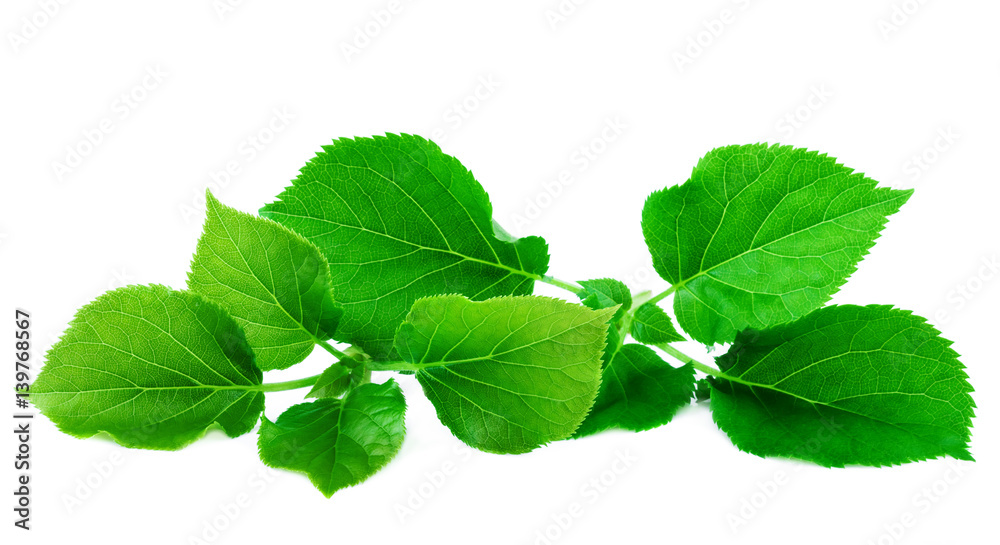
(872, 95)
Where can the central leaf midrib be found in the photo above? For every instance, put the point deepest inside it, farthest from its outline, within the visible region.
(463, 257)
(704, 272)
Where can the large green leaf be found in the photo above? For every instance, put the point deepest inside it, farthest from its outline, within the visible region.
(845, 385)
(153, 368)
(397, 220)
(272, 281)
(639, 391)
(338, 443)
(507, 374)
(761, 235)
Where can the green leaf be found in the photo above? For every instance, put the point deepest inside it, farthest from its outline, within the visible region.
(761, 235)
(606, 293)
(652, 325)
(508, 374)
(272, 281)
(845, 385)
(152, 367)
(337, 443)
(334, 381)
(639, 391)
(702, 389)
(398, 220)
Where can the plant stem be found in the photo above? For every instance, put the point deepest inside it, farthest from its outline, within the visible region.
(329, 348)
(289, 385)
(568, 286)
(708, 370)
(660, 296)
(394, 366)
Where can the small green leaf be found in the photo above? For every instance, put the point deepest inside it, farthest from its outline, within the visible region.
(606, 293)
(398, 220)
(272, 281)
(334, 381)
(845, 385)
(639, 391)
(508, 374)
(652, 325)
(761, 235)
(152, 367)
(702, 389)
(337, 443)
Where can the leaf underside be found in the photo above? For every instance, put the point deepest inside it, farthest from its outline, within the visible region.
(398, 220)
(153, 368)
(508, 374)
(761, 235)
(272, 281)
(639, 391)
(337, 443)
(845, 385)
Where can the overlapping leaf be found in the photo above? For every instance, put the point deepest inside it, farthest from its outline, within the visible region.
(761, 235)
(845, 385)
(507, 374)
(153, 368)
(639, 391)
(337, 443)
(272, 281)
(652, 325)
(397, 220)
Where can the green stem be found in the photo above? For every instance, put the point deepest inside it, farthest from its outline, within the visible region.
(660, 296)
(568, 286)
(329, 348)
(289, 385)
(708, 370)
(394, 366)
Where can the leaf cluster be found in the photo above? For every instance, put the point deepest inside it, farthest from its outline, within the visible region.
(384, 253)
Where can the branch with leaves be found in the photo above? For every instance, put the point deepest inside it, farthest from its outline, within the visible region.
(388, 246)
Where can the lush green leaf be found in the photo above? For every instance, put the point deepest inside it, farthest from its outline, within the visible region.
(761, 235)
(652, 325)
(702, 389)
(606, 293)
(153, 368)
(334, 381)
(397, 220)
(845, 385)
(337, 443)
(272, 281)
(639, 391)
(507, 374)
